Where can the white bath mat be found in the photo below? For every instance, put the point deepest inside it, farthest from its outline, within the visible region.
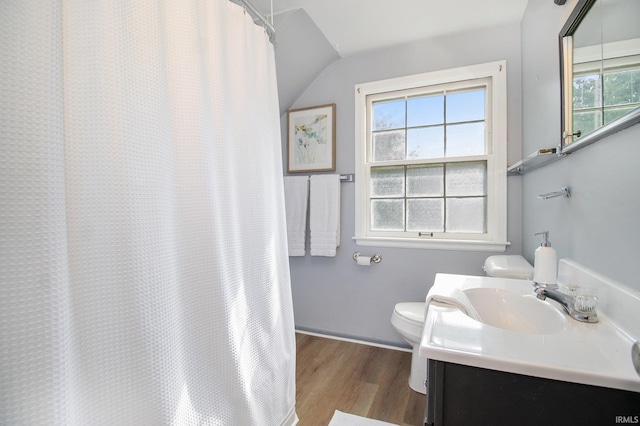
(343, 419)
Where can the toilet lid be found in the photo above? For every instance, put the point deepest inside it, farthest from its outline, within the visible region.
(508, 266)
(411, 311)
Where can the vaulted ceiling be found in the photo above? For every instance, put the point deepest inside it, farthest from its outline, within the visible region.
(313, 33)
(353, 26)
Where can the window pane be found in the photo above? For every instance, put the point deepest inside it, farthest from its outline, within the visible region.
(389, 115)
(587, 91)
(466, 179)
(467, 215)
(611, 114)
(425, 142)
(465, 106)
(425, 111)
(425, 215)
(387, 215)
(465, 139)
(587, 121)
(388, 145)
(621, 87)
(425, 181)
(387, 181)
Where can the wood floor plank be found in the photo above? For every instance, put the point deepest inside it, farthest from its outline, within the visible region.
(354, 378)
(357, 398)
(390, 406)
(415, 409)
(325, 370)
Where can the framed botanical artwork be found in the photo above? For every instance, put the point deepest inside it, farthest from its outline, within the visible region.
(311, 139)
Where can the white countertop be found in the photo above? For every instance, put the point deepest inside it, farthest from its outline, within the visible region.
(594, 354)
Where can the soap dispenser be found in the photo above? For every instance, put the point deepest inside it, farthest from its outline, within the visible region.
(545, 265)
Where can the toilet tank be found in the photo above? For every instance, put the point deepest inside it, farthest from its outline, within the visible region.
(508, 266)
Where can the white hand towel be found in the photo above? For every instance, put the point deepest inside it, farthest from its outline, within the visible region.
(296, 191)
(452, 296)
(324, 216)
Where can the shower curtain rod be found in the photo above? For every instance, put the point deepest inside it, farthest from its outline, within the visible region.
(268, 27)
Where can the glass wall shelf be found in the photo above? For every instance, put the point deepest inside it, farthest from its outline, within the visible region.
(537, 159)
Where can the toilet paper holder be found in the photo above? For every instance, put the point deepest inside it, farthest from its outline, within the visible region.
(376, 258)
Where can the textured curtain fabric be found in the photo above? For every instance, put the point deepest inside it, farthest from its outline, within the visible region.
(143, 250)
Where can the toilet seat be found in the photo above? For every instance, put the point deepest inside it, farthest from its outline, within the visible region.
(412, 312)
(408, 319)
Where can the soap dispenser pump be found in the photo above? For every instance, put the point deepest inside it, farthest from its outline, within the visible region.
(545, 265)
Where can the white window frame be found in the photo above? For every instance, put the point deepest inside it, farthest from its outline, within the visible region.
(496, 237)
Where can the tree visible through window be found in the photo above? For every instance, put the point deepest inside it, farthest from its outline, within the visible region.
(599, 98)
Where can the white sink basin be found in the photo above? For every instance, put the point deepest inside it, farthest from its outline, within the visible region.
(517, 312)
(518, 333)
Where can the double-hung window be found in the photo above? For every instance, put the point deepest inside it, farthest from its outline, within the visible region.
(431, 160)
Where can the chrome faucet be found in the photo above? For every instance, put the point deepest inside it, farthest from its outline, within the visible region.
(585, 314)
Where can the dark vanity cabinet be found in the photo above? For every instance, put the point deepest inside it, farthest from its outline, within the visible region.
(463, 395)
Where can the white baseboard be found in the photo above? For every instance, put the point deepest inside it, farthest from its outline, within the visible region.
(347, 339)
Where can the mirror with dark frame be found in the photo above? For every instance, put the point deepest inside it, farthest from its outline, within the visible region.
(600, 71)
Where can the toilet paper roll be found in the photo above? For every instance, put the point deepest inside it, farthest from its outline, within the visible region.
(364, 260)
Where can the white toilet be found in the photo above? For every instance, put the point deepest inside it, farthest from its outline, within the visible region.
(408, 317)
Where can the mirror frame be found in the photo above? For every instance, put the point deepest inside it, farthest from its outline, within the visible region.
(566, 86)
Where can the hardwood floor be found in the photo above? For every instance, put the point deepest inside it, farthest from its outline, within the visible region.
(358, 379)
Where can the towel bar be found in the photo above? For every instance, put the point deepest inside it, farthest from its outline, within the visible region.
(344, 178)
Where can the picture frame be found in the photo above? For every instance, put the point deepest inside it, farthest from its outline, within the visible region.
(311, 139)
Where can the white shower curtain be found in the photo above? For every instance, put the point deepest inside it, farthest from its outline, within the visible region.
(143, 252)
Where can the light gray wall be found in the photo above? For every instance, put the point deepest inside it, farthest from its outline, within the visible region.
(334, 295)
(599, 226)
(299, 64)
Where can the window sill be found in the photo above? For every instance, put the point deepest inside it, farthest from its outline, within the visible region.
(462, 245)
